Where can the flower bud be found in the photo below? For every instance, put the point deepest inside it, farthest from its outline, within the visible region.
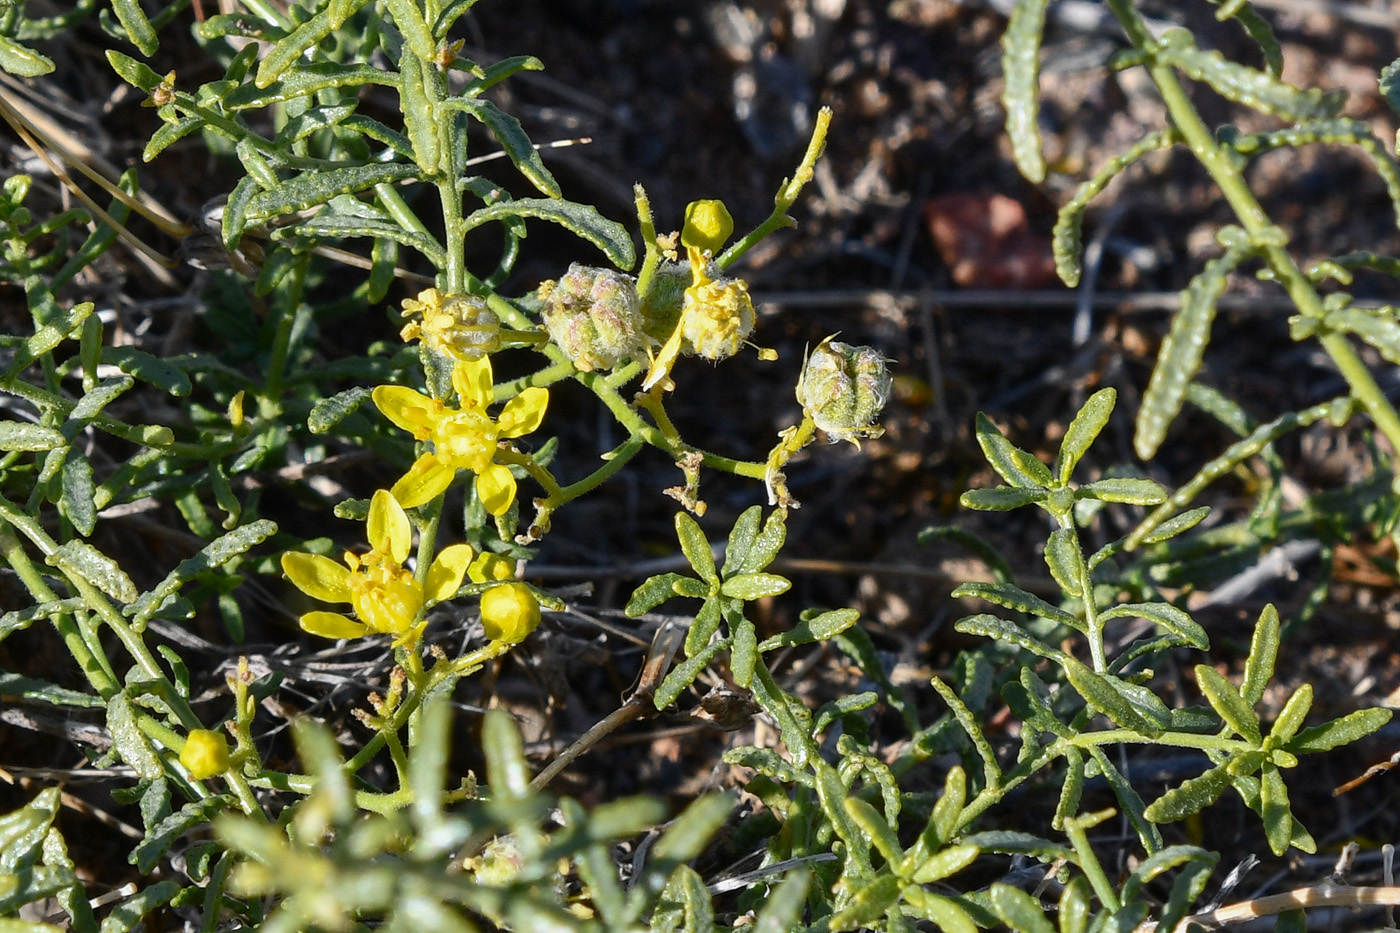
(461, 326)
(661, 308)
(594, 316)
(707, 225)
(843, 388)
(717, 317)
(205, 754)
(509, 613)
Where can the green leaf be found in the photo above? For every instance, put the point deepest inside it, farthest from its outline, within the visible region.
(152, 369)
(1182, 350)
(1274, 808)
(492, 75)
(743, 652)
(817, 628)
(765, 547)
(876, 830)
(1169, 617)
(23, 830)
(1010, 596)
(1191, 796)
(989, 626)
(1074, 906)
(770, 764)
(686, 890)
(945, 863)
(513, 140)
(653, 592)
(1258, 29)
(1014, 842)
(782, 909)
(129, 912)
(869, 903)
(132, 72)
(1012, 464)
(76, 501)
(1124, 489)
(1342, 731)
(1291, 717)
(696, 547)
(1159, 863)
(1072, 789)
(751, 586)
(417, 36)
(1019, 910)
(741, 540)
(1000, 498)
(131, 743)
(212, 556)
(1263, 653)
(142, 35)
(1244, 85)
(1066, 561)
(794, 725)
(104, 393)
(287, 51)
(1234, 709)
(160, 837)
(1373, 325)
(22, 436)
(304, 80)
(1090, 421)
(312, 188)
(684, 674)
(22, 61)
(943, 912)
(329, 412)
(1177, 525)
(703, 627)
(80, 559)
(1020, 66)
(582, 220)
(991, 770)
(690, 832)
(1103, 694)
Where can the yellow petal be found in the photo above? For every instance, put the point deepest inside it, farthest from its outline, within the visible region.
(496, 487)
(472, 380)
(331, 625)
(423, 482)
(523, 413)
(446, 573)
(317, 576)
(665, 359)
(489, 568)
(410, 410)
(388, 528)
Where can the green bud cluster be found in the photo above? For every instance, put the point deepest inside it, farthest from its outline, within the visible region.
(843, 389)
(595, 317)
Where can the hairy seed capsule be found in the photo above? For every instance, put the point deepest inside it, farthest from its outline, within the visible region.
(717, 317)
(661, 308)
(594, 316)
(461, 326)
(843, 388)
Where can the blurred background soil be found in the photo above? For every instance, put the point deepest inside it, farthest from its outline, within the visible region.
(918, 237)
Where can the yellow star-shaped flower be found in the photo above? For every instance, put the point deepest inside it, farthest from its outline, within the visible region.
(463, 438)
(384, 594)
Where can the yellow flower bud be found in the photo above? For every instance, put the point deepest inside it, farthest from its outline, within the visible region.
(205, 754)
(707, 225)
(509, 612)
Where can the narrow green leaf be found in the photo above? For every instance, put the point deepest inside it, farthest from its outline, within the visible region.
(989, 626)
(148, 368)
(1390, 84)
(945, 863)
(1066, 561)
(1020, 66)
(22, 61)
(1343, 731)
(507, 771)
(1102, 693)
(1019, 910)
(1291, 717)
(1234, 709)
(1012, 464)
(142, 35)
(696, 547)
(104, 393)
(492, 75)
(1191, 796)
(1124, 489)
(312, 188)
(415, 31)
(135, 73)
(741, 540)
(305, 80)
(1263, 653)
(287, 51)
(80, 559)
(793, 723)
(1244, 85)
(1274, 808)
(770, 764)
(328, 412)
(162, 836)
(653, 592)
(877, 831)
(743, 652)
(131, 743)
(1000, 498)
(1373, 325)
(1071, 790)
(751, 586)
(581, 220)
(868, 904)
(420, 112)
(23, 436)
(1074, 906)
(130, 911)
(943, 821)
(1182, 351)
(1177, 525)
(1088, 423)
(1169, 617)
(690, 832)
(1159, 863)
(782, 909)
(513, 140)
(1010, 596)
(991, 770)
(941, 911)
(22, 831)
(766, 546)
(703, 627)
(684, 674)
(816, 628)
(76, 501)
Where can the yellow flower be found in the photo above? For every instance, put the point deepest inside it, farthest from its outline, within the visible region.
(463, 438)
(385, 596)
(205, 754)
(460, 326)
(509, 613)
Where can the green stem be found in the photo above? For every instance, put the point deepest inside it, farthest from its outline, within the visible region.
(1235, 188)
(1075, 829)
(289, 305)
